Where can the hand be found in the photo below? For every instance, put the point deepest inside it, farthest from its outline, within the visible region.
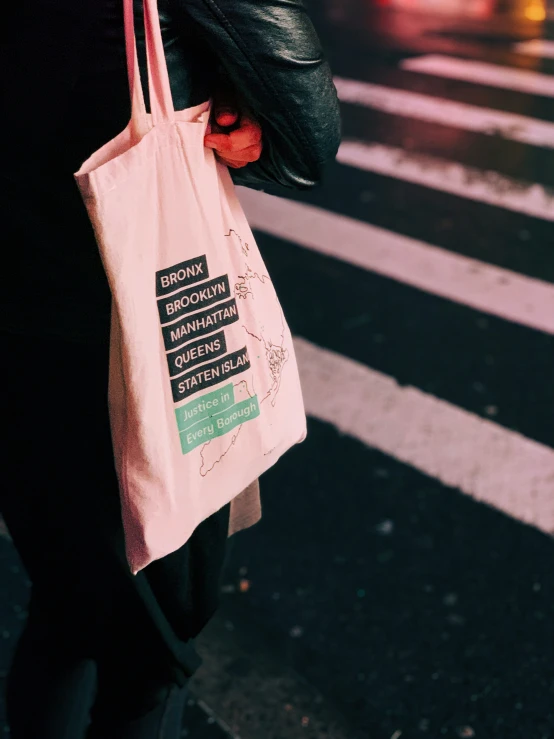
(240, 146)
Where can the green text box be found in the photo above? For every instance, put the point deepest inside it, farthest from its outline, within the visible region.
(219, 424)
(205, 407)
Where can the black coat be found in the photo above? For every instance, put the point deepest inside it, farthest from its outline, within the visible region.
(64, 94)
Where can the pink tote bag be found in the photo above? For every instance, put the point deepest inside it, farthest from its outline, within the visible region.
(204, 393)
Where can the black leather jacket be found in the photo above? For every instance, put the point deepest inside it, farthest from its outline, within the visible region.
(64, 93)
(70, 67)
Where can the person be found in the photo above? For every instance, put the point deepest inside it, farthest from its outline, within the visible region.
(105, 654)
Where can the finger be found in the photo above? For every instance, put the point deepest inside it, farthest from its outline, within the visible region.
(226, 116)
(249, 134)
(251, 151)
(251, 154)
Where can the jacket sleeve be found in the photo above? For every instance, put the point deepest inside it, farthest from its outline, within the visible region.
(271, 54)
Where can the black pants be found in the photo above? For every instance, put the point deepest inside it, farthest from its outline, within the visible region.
(94, 631)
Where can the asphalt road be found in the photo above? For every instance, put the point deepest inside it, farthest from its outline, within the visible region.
(410, 606)
(400, 582)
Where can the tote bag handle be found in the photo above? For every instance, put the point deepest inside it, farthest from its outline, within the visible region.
(161, 102)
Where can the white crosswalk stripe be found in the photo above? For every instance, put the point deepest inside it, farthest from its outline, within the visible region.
(482, 73)
(491, 464)
(537, 47)
(439, 174)
(484, 287)
(446, 112)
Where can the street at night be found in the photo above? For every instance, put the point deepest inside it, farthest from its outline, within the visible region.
(400, 583)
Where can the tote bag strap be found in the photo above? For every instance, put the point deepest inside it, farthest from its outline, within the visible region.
(161, 102)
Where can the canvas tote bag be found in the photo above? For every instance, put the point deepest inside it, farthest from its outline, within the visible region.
(204, 393)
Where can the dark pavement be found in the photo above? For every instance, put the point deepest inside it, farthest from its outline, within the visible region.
(374, 601)
(413, 609)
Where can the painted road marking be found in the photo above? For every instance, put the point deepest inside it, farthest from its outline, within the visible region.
(448, 113)
(537, 47)
(484, 186)
(482, 459)
(481, 73)
(500, 292)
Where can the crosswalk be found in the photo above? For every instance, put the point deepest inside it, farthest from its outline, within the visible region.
(490, 289)
(536, 47)
(483, 73)
(449, 113)
(486, 186)
(358, 271)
